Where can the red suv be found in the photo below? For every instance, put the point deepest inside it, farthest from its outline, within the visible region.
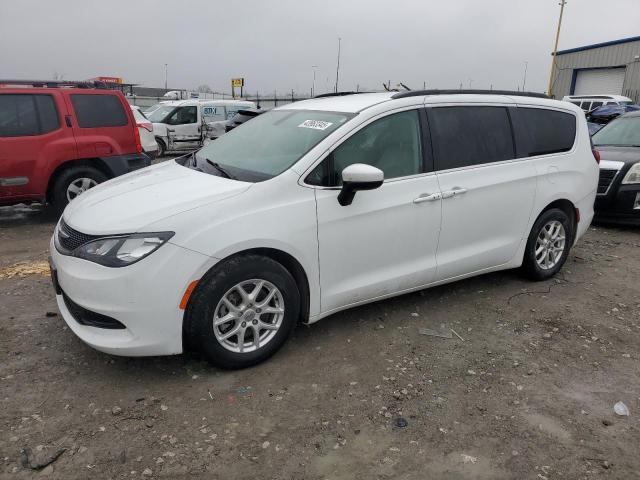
(58, 140)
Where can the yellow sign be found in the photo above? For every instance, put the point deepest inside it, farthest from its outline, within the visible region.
(237, 82)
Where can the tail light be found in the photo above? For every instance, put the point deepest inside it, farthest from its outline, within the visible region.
(136, 135)
(148, 126)
(596, 155)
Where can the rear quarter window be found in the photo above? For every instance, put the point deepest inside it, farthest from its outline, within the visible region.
(539, 131)
(95, 111)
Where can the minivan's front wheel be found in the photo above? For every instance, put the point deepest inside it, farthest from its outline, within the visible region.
(548, 245)
(242, 311)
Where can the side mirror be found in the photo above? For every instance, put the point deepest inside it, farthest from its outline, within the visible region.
(358, 177)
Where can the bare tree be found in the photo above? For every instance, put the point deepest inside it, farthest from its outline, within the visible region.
(204, 89)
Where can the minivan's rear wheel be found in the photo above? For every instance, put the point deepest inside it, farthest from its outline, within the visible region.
(74, 181)
(242, 311)
(548, 245)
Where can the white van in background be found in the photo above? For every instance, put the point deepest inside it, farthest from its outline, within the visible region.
(185, 124)
(589, 102)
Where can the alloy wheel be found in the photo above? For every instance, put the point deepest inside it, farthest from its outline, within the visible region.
(550, 244)
(79, 186)
(248, 316)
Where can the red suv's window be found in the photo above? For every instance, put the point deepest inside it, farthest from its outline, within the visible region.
(27, 114)
(95, 111)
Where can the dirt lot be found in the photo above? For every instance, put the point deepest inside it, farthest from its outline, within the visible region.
(528, 394)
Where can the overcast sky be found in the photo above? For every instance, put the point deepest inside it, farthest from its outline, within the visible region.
(273, 44)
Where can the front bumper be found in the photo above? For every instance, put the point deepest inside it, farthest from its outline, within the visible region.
(144, 297)
(620, 205)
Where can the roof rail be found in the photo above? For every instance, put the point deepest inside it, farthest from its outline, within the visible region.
(420, 93)
(337, 94)
(54, 83)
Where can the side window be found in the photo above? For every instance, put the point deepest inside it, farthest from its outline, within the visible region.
(47, 112)
(184, 116)
(596, 105)
(539, 131)
(94, 111)
(465, 136)
(213, 113)
(393, 144)
(18, 116)
(576, 103)
(586, 106)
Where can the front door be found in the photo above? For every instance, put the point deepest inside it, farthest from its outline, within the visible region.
(385, 241)
(487, 194)
(184, 128)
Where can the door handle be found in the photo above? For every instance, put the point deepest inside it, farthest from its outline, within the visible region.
(427, 197)
(454, 192)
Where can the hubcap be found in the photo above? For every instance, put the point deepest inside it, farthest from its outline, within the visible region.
(550, 244)
(248, 316)
(79, 186)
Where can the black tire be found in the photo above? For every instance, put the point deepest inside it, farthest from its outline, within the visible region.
(200, 311)
(59, 198)
(530, 266)
(162, 148)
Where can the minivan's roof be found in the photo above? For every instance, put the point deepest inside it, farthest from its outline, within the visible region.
(357, 102)
(195, 101)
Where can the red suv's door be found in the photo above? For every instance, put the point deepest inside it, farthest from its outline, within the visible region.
(102, 123)
(34, 140)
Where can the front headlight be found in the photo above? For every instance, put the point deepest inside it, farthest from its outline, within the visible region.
(120, 251)
(633, 175)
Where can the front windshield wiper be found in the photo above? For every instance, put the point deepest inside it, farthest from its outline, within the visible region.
(220, 169)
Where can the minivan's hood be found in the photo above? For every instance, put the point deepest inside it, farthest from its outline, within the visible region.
(127, 203)
(619, 154)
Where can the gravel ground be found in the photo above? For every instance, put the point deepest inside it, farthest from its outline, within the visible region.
(528, 394)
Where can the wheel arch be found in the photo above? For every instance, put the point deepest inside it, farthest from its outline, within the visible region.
(96, 163)
(288, 261)
(568, 207)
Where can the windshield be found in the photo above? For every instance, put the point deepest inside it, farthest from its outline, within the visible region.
(623, 132)
(159, 114)
(267, 145)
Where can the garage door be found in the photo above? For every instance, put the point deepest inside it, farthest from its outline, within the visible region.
(601, 81)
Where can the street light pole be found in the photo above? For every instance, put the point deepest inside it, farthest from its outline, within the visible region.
(524, 81)
(313, 85)
(555, 50)
(338, 66)
(165, 76)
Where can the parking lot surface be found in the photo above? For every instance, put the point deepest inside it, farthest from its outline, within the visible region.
(523, 388)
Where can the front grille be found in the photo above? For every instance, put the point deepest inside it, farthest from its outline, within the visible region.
(70, 239)
(606, 179)
(89, 318)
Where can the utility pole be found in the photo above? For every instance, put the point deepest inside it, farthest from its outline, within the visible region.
(338, 66)
(165, 76)
(555, 50)
(313, 85)
(524, 81)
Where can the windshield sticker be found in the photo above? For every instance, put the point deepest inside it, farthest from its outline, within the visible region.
(315, 124)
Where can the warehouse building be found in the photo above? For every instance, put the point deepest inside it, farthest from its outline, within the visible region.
(604, 68)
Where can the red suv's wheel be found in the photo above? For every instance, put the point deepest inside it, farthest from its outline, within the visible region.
(73, 182)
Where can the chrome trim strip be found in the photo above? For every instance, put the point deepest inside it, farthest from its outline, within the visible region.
(13, 181)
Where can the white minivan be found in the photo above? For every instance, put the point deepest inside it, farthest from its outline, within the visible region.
(319, 206)
(185, 124)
